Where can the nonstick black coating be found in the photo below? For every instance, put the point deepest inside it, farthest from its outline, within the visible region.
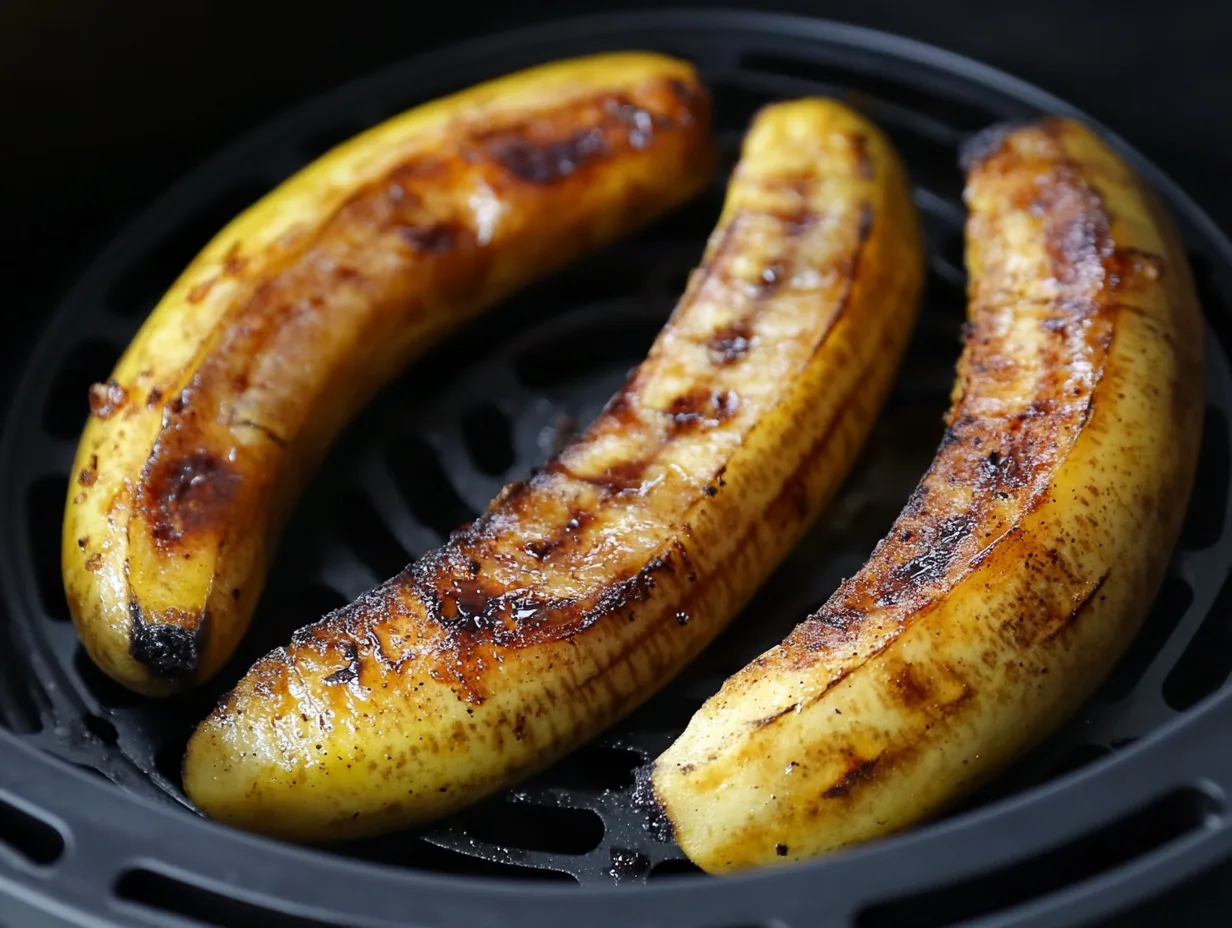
(1127, 797)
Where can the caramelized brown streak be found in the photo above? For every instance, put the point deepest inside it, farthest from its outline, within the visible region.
(583, 540)
(364, 267)
(1026, 379)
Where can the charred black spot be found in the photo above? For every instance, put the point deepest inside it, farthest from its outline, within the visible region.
(350, 672)
(932, 563)
(168, 649)
(781, 850)
(710, 490)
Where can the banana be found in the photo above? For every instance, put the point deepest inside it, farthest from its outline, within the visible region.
(1021, 566)
(296, 313)
(579, 593)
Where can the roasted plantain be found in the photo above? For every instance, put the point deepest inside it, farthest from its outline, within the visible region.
(300, 309)
(579, 593)
(1024, 562)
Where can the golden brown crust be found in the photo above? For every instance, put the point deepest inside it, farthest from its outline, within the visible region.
(316, 297)
(1024, 562)
(582, 590)
(1016, 414)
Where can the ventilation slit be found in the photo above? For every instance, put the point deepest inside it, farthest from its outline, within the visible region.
(1207, 661)
(106, 692)
(1136, 835)
(1209, 503)
(675, 868)
(368, 535)
(428, 492)
(489, 438)
(152, 890)
(44, 513)
(29, 836)
(535, 828)
(19, 696)
(1171, 603)
(580, 353)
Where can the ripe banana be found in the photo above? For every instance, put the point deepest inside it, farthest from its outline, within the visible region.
(1023, 563)
(579, 593)
(300, 309)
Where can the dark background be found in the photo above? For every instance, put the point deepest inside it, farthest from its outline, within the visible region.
(103, 104)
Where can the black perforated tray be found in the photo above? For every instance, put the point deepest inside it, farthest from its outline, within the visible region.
(1123, 801)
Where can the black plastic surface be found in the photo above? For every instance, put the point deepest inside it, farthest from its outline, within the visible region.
(440, 443)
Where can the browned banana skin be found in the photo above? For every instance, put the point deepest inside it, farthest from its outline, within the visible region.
(580, 592)
(1023, 564)
(308, 303)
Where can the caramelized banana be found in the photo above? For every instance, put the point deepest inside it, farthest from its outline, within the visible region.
(579, 593)
(315, 297)
(1024, 562)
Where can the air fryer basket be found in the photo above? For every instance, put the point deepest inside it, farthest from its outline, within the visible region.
(93, 825)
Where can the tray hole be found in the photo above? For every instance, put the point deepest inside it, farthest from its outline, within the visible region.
(406, 851)
(489, 438)
(151, 890)
(679, 867)
(426, 488)
(29, 836)
(101, 729)
(1136, 835)
(576, 354)
(316, 144)
(1207, 660)
(735, 106)
(1077, 757)
(19, 695)
(1209, 502)
(945, 109)
(931, 164)
(1171, 603)
(106, 692)
(68, 402)
(138, 291)
(317, 600)
(536, 828)
(595, 767)
(369, 537)
(169, 761)
(692, 222)
(44, 511)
